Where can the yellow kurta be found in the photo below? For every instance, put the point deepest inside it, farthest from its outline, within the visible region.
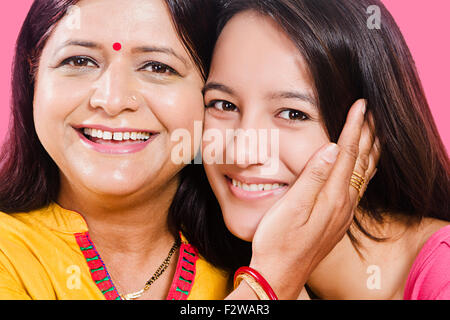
(47, 254)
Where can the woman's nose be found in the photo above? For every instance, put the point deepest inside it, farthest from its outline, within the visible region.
(114, 92)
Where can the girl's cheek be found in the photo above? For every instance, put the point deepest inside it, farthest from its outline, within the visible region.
(297, 149)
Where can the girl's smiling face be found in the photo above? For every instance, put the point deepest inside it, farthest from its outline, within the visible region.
(105, 114)
(259, 80)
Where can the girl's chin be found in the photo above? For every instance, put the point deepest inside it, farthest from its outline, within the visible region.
(243, 226)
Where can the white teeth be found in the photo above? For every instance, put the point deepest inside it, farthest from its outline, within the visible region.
(116, 136)
(107, 135)
(256, 187)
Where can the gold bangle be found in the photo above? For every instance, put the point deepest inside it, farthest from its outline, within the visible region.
(256, 287)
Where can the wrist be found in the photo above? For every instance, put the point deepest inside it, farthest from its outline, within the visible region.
(286, 283)
(256, 281)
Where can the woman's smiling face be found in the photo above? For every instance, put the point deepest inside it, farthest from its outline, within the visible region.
(105, 114)
(259, 80)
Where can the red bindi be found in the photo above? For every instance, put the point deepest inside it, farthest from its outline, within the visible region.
(117, 46)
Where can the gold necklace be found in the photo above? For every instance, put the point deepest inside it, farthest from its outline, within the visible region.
(156, 275)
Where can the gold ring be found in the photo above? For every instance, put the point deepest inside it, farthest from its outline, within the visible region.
(357, 181)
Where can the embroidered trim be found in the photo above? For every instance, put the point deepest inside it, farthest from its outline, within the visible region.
(96, 266)
(185, 274)
(181, 285)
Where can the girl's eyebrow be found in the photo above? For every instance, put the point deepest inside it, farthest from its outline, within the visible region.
(293, 95)
(217, 86)
(272, 96)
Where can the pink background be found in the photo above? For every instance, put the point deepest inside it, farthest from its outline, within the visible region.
(424, 24)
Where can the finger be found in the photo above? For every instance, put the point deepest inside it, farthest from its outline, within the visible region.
(374, 157)
(338, 184)
(303, 193)
(362, 171)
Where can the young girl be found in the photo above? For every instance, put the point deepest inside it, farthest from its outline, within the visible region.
(295, 66)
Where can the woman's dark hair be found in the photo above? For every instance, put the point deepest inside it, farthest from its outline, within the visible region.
(348, 61)
(30, 178)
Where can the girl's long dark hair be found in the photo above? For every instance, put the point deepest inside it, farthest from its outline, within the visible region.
(348, 61)
(30, 178)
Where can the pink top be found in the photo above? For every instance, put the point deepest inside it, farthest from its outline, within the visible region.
(429, 278)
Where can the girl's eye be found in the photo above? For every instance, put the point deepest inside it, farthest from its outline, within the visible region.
(160, 68)
(79, 62)
(222, 105)
(293, 115)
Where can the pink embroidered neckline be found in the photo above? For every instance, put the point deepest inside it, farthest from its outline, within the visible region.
(181, 285)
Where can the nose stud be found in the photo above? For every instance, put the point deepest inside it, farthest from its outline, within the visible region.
(132, 100)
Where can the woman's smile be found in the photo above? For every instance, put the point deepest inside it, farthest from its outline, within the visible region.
(115, 141)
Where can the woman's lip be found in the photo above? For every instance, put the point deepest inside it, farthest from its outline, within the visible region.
(112, 130)
(253, 195)
(115, 149)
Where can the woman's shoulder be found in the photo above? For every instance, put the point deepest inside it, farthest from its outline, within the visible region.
(429, 277)
(49, 218)
(15, 224)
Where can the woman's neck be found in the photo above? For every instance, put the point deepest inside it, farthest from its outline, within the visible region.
(124, 224)
(382, 270)
(130, 233)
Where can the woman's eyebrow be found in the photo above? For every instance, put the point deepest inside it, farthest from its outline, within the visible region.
(166, 50)
(142, 49)
(217, 86)
(80, 43)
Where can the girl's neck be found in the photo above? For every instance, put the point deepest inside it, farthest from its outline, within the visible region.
(382, 269)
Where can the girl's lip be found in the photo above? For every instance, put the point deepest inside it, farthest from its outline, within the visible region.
(115, 149)
(253, 180)
(253, 195)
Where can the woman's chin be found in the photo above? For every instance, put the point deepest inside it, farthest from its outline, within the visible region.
(114, 185)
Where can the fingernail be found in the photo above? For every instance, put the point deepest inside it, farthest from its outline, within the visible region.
(362, 105)
(330, 153)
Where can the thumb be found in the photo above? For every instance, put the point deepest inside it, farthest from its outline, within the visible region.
(301, 197)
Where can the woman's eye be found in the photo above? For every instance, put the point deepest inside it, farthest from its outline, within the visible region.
(160, 68)
(79, 62)
(293, 115)
(222, 105)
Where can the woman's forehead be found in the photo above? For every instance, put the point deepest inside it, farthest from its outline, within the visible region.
(126, 22)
